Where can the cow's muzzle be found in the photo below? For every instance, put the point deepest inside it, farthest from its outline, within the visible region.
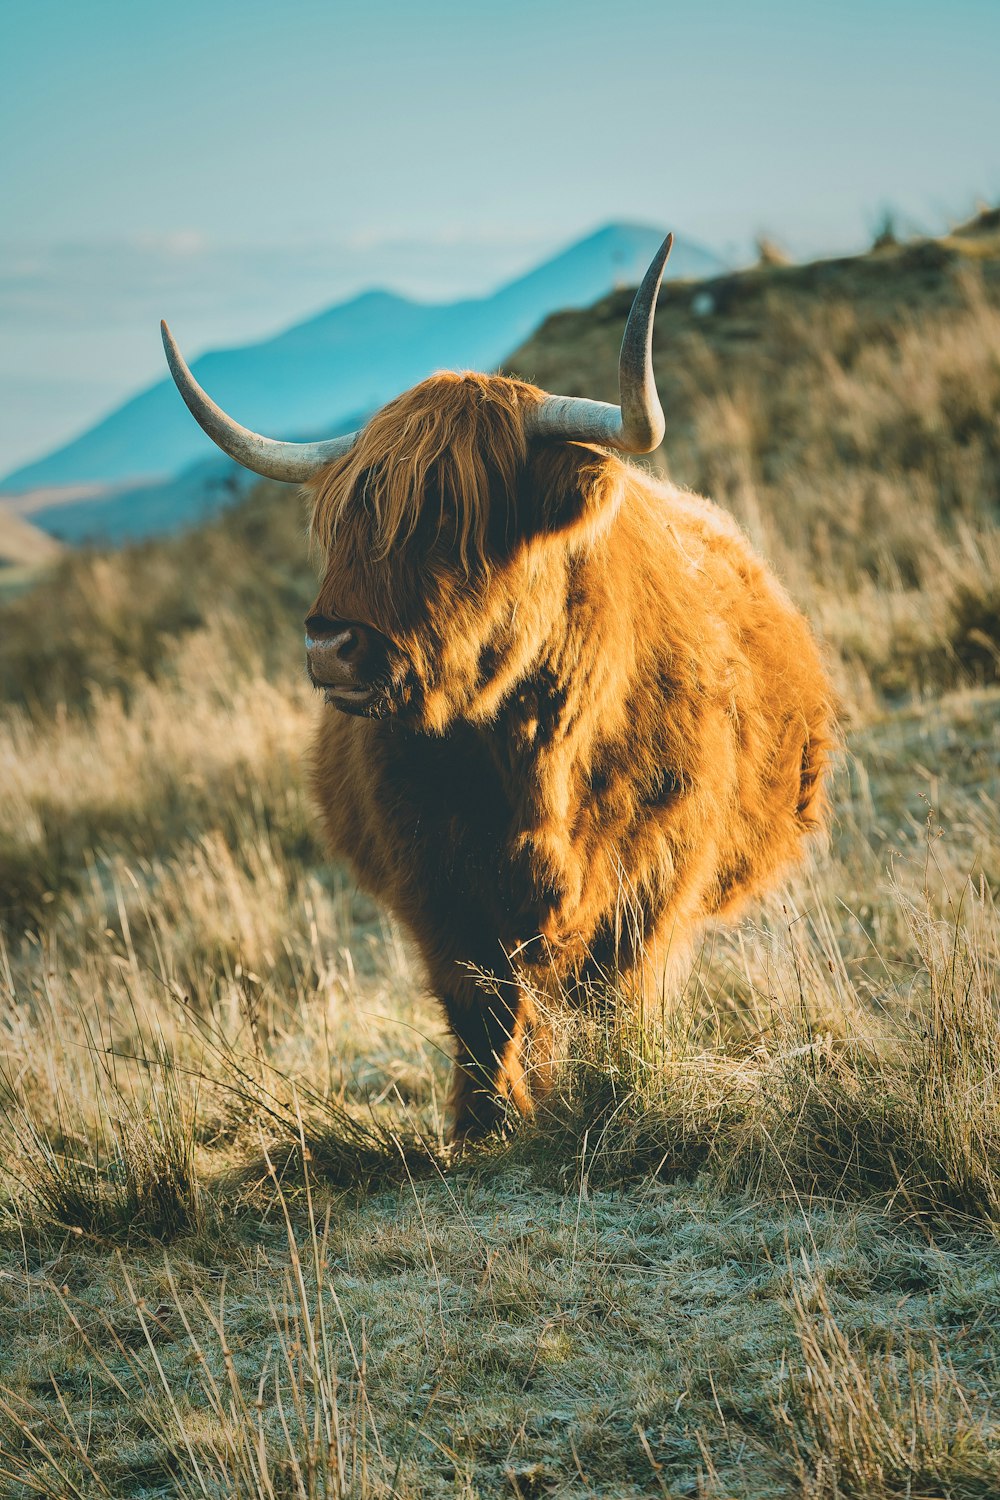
(348, 661)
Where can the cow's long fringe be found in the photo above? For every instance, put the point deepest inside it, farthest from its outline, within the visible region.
(446, 455)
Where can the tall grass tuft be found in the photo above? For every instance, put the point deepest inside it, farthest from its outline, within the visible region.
(123, 1169)
(888, 1424)
(823, 1096)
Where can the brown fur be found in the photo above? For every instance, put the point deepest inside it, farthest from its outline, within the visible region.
(610, 721)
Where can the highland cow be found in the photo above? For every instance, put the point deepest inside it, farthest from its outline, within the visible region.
(570, 715)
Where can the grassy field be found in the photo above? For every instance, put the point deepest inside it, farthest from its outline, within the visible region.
(751, 1246)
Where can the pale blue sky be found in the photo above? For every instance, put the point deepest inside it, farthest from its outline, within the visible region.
(236, 165)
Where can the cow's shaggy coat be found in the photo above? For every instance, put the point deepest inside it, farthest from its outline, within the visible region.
(603, 720)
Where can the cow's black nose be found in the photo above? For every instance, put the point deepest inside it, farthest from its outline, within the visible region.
(338, 654)
(333, 636)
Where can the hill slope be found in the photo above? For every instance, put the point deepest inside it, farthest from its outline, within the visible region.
(349, 359)
(23, 545)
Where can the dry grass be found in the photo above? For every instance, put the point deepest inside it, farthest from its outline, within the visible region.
(875, 1425)
(807, 1083)
(749, 1246)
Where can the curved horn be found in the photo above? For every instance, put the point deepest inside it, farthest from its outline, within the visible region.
(292, 462)
(637, 426)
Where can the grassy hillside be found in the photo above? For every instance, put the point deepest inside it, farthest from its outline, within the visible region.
(750, 1248)
(846, 412)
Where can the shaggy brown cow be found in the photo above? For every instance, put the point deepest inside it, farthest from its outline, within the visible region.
(570, 714)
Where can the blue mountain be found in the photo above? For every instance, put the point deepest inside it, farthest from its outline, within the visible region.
(312, 379)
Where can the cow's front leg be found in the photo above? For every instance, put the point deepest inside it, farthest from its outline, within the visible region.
(493, 1032)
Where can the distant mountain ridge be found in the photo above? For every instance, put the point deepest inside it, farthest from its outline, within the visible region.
(315, 377)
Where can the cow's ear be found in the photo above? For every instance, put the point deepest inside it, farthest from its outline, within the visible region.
(572, 489)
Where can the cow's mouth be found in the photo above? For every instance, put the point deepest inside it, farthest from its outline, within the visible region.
(367, 701)
(357, 700)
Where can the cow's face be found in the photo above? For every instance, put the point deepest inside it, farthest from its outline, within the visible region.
(450, 542)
